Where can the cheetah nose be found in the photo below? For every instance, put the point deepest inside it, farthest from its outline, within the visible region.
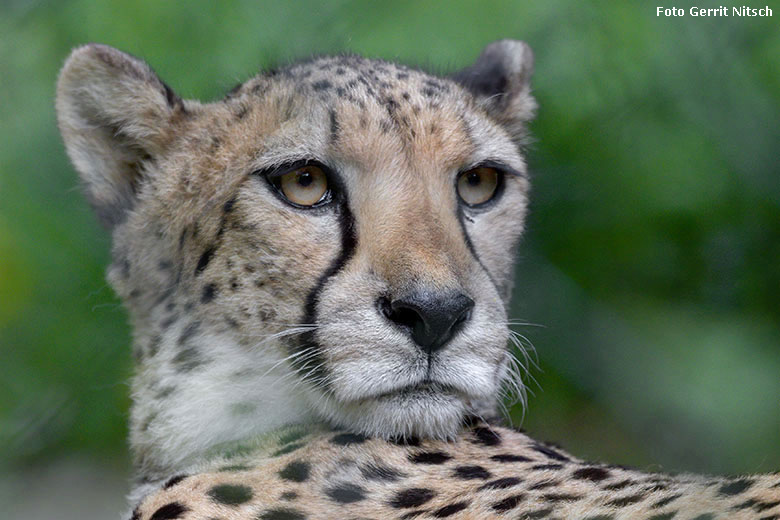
(429, 318)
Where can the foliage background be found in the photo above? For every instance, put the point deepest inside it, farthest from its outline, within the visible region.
(652, 258)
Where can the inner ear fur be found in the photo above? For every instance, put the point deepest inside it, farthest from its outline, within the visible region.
(115, 115)
(500, 80)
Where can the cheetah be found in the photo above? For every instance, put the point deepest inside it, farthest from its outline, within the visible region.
(317, 270)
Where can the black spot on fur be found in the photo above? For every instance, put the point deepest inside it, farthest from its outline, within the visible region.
(209, 293)
(282, 514)
(549, 452)
(450, 509)
(594, 474)
(229, 205)
(288, 449)
(470, 421)
(508, 503)
(204, 260)
(412, 497)
(334, 127)
(665, 501)
(165, 295)
(619, 485)
(154, 345)
(242, 112)
(487, 436)
(763, 506)
(501, 483)
(625, 501)
(173, 481)
(735, 488)
(471, 472)
(412, 514)
(187, 359)
(429, 457)
(169, 511)
(345, 439)
(747, 504)
(507, 457)
(168, 321)
(664, 516)
(288, 495)
(376, 472)
(561, 497)
(543, 484)
(230, 494)
(296, 471)
(540, 513)
(188, 332)
(322, 85)
(346, 493)
(656, 487)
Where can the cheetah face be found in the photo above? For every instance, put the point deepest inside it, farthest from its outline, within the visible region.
(345, 227)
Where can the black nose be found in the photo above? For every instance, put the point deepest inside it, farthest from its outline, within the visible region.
(430, 318)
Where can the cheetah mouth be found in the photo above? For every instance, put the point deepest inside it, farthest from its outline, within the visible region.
(423, 389)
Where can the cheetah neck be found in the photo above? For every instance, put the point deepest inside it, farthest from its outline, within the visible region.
(232, 394)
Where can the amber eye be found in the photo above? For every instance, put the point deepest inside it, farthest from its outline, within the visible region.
(478, 185)
(304, 186)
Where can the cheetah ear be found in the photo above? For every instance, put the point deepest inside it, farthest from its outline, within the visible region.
(500, 80)
(115, 115)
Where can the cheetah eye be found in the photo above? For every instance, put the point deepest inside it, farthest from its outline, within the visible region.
(303, 186)
(478, 185)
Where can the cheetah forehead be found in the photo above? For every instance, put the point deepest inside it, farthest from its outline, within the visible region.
(370, 110)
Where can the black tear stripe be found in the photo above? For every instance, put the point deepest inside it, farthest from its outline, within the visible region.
(470, 245)
(313, 364)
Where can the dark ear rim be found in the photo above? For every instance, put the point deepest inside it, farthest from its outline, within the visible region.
(114, 114)
(500, 80)
(117, 59)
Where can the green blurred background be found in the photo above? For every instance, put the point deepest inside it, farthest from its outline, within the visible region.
(652, 259)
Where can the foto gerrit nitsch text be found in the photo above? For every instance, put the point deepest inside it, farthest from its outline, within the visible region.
(742, 11)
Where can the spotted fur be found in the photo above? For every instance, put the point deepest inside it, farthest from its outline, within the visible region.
(315, 474)
(251, 314)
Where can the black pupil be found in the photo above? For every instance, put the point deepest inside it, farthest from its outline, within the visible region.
(305, 179)
(473, 178)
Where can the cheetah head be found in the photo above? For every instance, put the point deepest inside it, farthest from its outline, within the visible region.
(332, 240)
